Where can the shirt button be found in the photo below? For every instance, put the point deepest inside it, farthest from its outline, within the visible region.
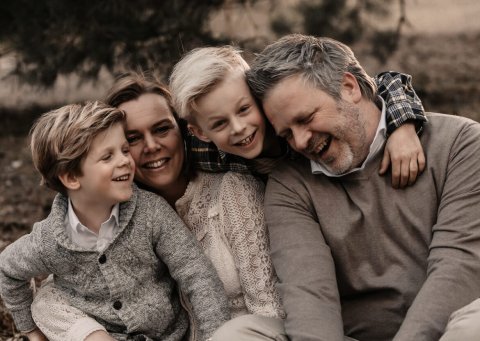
(117, 305)
(102, 259)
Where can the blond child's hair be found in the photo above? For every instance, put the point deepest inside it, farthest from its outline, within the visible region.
(60, 139)
(198, 72)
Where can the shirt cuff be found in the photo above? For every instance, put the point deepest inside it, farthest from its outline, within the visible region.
(82, 328)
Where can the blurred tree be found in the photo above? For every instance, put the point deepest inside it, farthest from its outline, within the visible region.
(54, 37)
(347, 21)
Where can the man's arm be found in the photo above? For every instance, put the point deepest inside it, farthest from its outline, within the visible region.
(303, 261)
(453, 274)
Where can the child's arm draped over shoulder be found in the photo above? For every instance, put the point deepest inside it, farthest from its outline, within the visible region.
(244, 223)
(404, 115)
(192, 270)
(19, 262)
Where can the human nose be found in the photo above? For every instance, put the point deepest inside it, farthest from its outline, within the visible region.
(150, 144)
(301, 138)
(237, 125)
(126, 160)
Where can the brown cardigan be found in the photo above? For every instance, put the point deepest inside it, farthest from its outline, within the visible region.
(357, 257)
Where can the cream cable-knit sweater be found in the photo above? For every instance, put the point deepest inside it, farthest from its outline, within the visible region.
(130, 288)
(225, 212)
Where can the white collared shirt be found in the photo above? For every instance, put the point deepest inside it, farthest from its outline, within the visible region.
(375, 148)
(82, 236)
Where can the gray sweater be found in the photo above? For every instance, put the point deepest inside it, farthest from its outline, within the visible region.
(355, 256)
(131, 287)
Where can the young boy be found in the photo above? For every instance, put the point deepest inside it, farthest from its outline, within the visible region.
(115, 251)
(210, 91)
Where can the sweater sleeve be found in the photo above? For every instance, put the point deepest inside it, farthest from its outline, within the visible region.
(303, 261)
(241, 197)
(192, 270)
(453, 273)
(19, 263)
(401, 100)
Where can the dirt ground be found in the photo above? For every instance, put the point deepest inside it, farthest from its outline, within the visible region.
(446, 74)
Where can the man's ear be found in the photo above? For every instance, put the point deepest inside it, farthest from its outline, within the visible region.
(350, 89)
(70, 181)
(197, 131)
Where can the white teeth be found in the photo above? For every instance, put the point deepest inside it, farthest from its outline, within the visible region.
(245, 141)
(322, 145)
(122, 178)
(155, 164)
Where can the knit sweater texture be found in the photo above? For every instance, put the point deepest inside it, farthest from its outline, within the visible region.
(225, 212)
(356, 257)
(131, 287)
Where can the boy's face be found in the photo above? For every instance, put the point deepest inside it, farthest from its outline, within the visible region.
(229, 117)
(108, 169)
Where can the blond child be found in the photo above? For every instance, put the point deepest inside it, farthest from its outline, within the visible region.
(116, 252)
(210, 91)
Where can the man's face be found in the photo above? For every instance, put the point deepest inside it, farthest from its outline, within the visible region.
(330, 132)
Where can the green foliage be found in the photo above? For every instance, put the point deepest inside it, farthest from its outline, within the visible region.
(52, 37)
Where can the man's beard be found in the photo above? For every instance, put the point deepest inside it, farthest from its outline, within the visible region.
(350, 139)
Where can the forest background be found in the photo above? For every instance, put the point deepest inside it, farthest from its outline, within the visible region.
(63, 51)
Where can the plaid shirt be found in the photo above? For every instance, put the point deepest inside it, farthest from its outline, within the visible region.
(395, 88)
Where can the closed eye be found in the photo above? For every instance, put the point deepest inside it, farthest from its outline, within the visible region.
(218, 124)
(162, 130)
(106, 157)
(306, 120)
(244, 108)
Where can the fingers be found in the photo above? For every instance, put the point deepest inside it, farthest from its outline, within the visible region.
(385, 162)
(413, 172)
(406, 170)
(421, 161)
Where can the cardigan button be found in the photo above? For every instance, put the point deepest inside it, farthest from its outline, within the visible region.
(117, 305)
(102, 259)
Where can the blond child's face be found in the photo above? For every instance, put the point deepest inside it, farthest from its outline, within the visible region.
(229, 117)
(108, 169)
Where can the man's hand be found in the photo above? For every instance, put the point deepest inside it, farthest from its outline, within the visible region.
(404, 151)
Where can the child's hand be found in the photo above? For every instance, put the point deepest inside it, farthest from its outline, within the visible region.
(36, 335)
(404, 151)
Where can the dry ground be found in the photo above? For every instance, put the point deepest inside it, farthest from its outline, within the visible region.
(446, 73)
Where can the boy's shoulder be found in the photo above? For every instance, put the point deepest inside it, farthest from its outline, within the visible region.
(144, 202)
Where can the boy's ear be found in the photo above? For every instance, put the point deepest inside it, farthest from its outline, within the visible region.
(350, 89)
(70, 181)
(197, 131)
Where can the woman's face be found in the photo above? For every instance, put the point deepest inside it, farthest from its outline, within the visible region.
(156, 143)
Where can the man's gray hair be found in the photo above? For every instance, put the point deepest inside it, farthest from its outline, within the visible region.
(320, 61)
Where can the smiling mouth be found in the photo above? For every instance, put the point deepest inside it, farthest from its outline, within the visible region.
(122, 178)
(322, 147)
(246, 141)
(155, 164)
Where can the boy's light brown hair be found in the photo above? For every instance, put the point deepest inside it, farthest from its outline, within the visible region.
(60, 139)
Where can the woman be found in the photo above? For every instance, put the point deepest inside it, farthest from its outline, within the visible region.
(224, 211)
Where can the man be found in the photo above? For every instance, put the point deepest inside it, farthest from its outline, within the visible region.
(354, 256)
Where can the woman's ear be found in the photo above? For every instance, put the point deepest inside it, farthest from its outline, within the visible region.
(197, 131)
(70, 181)
(350, 89)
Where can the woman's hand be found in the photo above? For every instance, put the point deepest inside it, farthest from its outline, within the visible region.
(404, 151)
(36, 335)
